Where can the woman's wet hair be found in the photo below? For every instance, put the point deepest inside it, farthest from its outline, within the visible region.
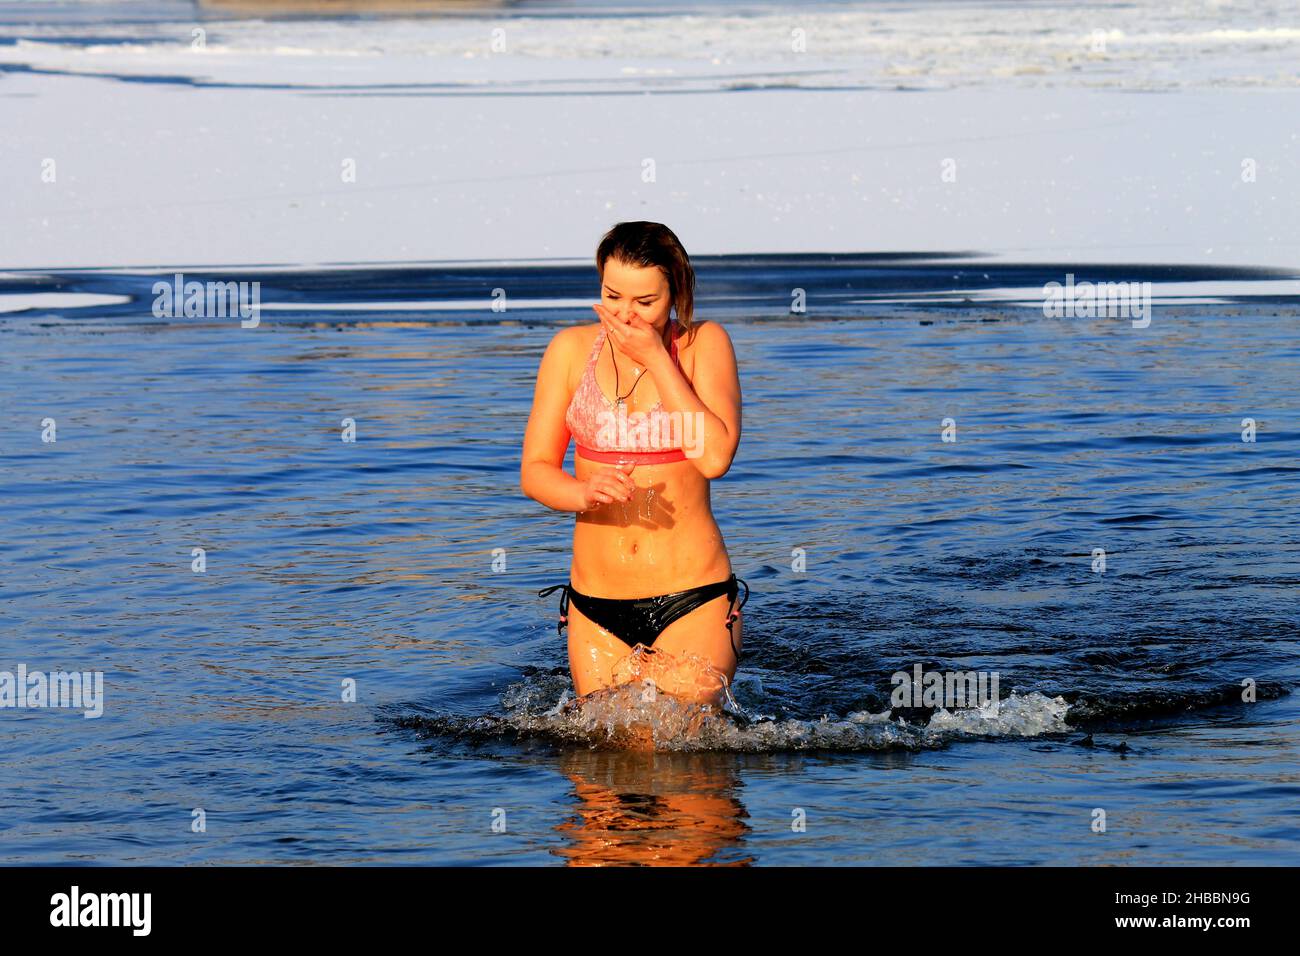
(644, 244)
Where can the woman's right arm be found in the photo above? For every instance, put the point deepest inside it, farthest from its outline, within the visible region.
(541, 475)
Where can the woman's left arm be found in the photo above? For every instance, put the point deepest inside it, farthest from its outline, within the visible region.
(712, 401)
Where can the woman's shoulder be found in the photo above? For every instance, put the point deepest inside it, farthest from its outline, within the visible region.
(575, 341)
(707, 333)
(578, 336)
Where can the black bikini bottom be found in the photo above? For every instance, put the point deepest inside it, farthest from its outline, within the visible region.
(641, 620)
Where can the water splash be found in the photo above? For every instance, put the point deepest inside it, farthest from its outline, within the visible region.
(1015, 716)
(683, 675)
(639, 715)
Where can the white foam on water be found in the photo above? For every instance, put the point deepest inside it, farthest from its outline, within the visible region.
(1016, 716)
(22, 302)
(633, 716)
(423, 305)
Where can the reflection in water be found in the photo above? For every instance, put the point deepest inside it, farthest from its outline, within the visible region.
(653, 809)
(637, 809)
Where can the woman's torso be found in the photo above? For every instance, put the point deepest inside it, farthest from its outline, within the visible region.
(662, 539)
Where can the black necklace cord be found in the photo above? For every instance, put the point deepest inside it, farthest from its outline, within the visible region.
(617, 397)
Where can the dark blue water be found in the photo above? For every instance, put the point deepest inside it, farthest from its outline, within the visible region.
(373, 562)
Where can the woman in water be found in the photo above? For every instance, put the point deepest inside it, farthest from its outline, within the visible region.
(653, 405)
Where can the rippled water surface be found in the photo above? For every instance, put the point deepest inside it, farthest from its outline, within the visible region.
(372, 562)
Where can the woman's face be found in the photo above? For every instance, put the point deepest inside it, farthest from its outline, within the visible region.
(636, 290)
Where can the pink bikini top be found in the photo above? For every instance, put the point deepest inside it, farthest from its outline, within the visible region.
(597, 428)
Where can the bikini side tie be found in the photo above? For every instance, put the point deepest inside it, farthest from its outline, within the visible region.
(564, 604)
(735, 613)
